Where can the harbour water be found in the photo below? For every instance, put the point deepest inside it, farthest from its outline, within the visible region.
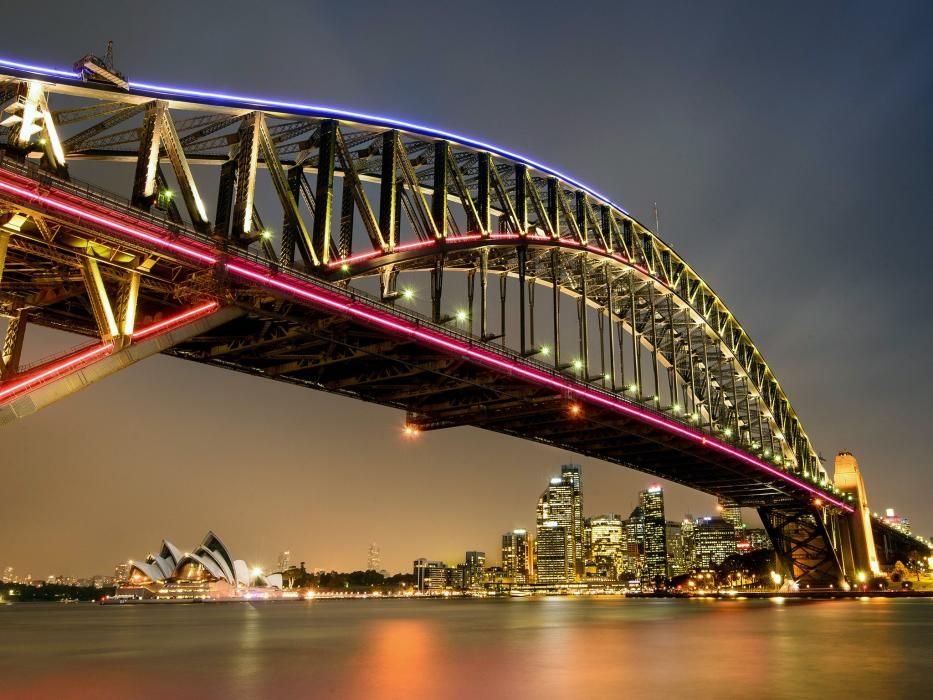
(493, 648)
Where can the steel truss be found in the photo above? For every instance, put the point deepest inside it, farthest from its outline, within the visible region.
(806, 544)
(401, 184)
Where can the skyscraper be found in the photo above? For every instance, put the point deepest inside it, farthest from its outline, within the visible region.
(284, 560)
(573, 473)
(730, 512)
(475, 565)
(515, 560)
(634, 560)
(676, 561)
(713, 541)
(562, 504)
(552, 559)
(652, 507)
(687, 527)
(607, 545)
(372, 561)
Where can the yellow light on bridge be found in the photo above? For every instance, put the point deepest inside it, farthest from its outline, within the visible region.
(408, 293)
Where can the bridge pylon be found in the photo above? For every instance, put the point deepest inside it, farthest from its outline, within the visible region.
(861, 552)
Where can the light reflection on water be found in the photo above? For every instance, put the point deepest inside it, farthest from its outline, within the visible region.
(518, 648)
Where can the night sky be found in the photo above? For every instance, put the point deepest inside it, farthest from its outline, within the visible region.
(789, 146)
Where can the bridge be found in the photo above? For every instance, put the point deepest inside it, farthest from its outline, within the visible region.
(450, 279)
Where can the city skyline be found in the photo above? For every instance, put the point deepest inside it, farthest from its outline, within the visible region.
(622, 502)
(643, 552)
(721, 204)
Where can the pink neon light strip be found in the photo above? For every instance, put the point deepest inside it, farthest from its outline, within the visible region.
(65, 366)
(323, 297)
(85, 357)
(176, 320)
(83, 213)
(566, 242)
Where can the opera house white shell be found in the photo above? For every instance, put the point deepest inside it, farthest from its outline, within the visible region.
(208, 572)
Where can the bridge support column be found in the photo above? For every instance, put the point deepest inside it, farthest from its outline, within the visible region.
(20, 404)
(555, 289)
(636, 344)
(610, 303)
(848, 478)
(582, 326)
(483, 291)
(805, 548)
(522, 253)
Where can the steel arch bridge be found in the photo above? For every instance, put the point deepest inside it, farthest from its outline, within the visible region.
(417, 269)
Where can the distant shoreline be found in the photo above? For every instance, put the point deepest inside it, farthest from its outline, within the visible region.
(719, 596)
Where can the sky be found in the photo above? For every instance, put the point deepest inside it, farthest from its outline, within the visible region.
(788, 146)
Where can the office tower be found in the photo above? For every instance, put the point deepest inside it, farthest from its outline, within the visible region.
(606, 545)
(121, 572)
(552, 559)
(897, 522)
(652, 508)
(455, 577)
(714, 540)
(573, 473)
(676, 560)
(474, 569)
(430, 575)
(561, 503)
(634, 559)
(515, 560)
(730, 512)
(372, 561)
(284, 560)
(687, 526)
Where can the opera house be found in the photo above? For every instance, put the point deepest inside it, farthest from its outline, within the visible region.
(207, 573)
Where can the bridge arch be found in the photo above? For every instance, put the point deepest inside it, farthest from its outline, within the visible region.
(412, 198)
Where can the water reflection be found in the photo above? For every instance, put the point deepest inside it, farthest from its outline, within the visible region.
(400, 658)
(542, 648)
